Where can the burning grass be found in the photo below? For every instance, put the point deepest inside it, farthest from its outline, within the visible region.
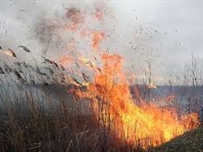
(89, 108)
(94, 116)
(114, 108)
(32, 119)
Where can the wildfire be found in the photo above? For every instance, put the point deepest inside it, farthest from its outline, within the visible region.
(115, 109)
(147, 125)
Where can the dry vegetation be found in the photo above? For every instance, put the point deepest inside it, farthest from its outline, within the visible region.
(37, 114)
(44, 108)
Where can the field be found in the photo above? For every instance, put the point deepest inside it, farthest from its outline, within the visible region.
(77, 88)
(40, 113)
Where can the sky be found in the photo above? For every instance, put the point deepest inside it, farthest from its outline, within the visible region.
(169, 31)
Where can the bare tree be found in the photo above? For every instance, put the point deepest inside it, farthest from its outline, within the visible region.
(193, 75)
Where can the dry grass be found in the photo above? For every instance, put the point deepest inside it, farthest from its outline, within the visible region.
(37, 114)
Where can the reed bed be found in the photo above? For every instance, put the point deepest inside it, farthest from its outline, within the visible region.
(37, 113)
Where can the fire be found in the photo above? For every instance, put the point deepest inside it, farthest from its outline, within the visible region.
(86, 62)
(97, 38)
(147, 125)
(113, 105)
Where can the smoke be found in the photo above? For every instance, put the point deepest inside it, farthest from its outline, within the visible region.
(51, 33)
(40, 25)
(75, 15)
(46, 32)
(59, 32)
(17, 18)
(47, 28)
(35, 24)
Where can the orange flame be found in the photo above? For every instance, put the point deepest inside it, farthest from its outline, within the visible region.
(147, 125)
(97, 38)
(114, 107)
